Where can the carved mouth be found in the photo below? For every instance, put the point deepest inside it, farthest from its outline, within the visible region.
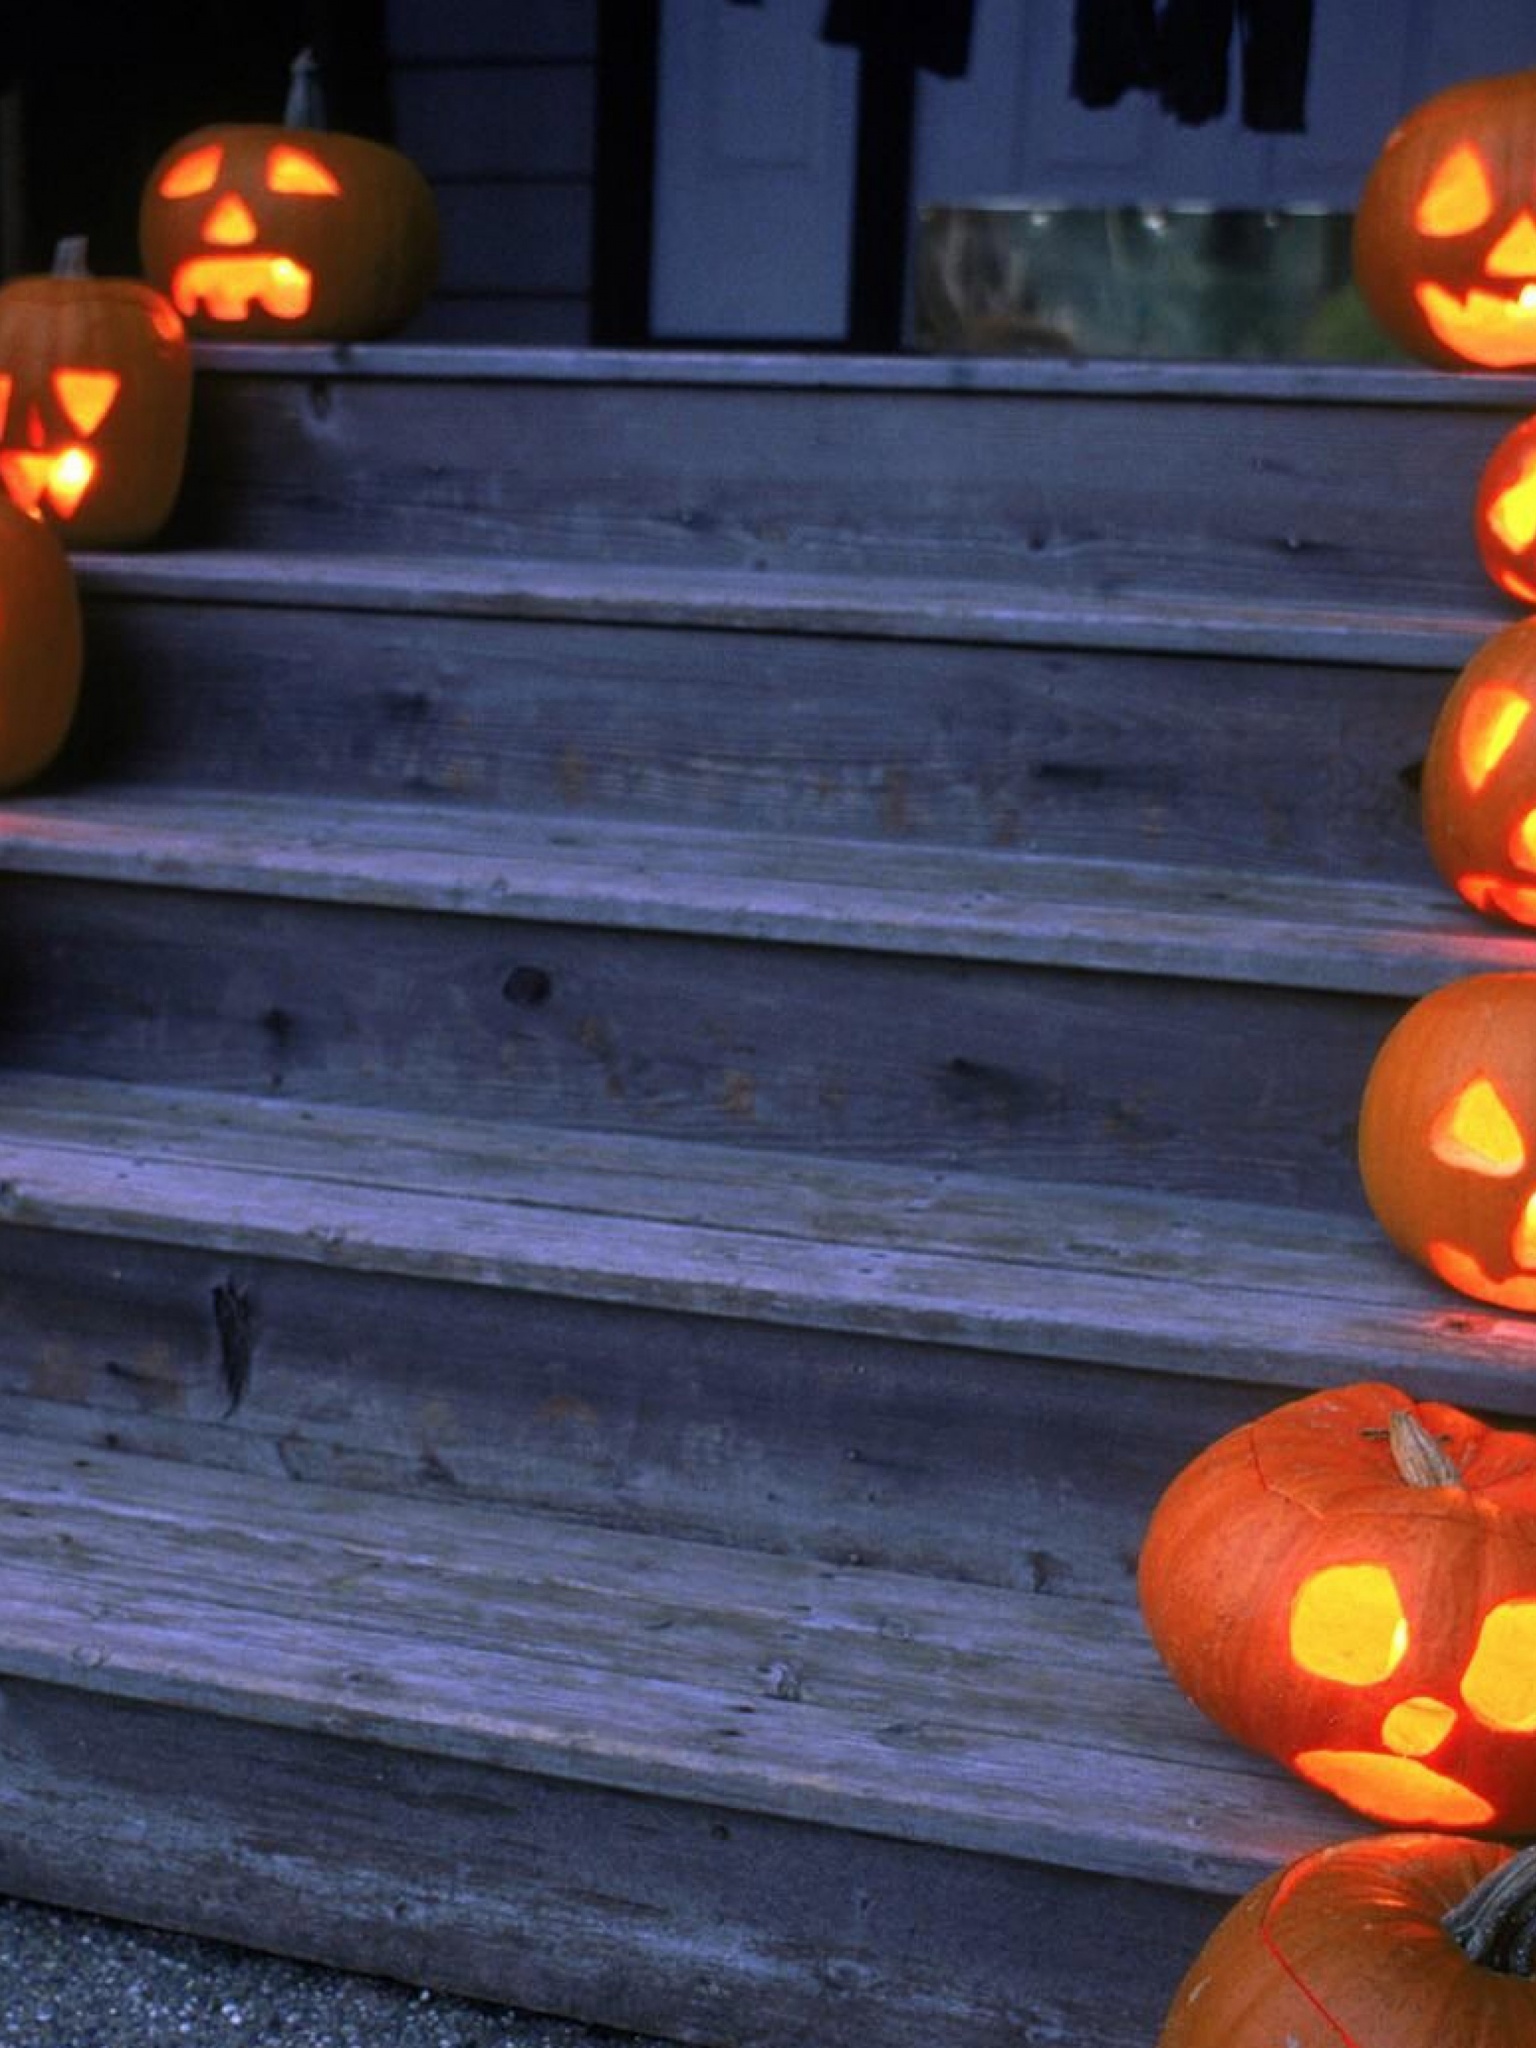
(1398, 1789)
(1495, 330)
(1514, 900)
(228, 287)
(56, 477)
(1461, 1270)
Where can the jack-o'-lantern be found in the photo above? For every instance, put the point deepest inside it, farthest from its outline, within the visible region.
(289, 232)
(1445, 231)
(95, 397)
(1348, 1584)
(40, 646)
(1504, 513)
(1393, 1941)
(1478, 789)
(1447, 1139)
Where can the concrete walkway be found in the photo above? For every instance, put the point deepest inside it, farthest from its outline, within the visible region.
(68, 1980)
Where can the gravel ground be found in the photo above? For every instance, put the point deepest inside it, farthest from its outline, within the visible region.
(69, 1980)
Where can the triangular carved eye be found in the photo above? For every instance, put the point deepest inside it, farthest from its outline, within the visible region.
(197, 171)
(1489, 727)
(296, 170)
(1458, 197)
(5, 400)
(1476, 1133)
(86, 396)
(1512, 515)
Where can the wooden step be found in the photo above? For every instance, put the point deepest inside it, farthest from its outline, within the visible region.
(1171, 1028)
(1317, 482)
(1129, 725)
(940, 1372)
(229, 1701)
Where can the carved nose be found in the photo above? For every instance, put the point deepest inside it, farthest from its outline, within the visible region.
(231, 225)
(1417, 1726)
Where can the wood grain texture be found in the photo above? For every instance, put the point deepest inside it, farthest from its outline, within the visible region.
(961, 1716)
(697, 1922)
(1039, 1072)
(1180, 920)
(1092, 1274)
(1249, 738)
(1300, 486)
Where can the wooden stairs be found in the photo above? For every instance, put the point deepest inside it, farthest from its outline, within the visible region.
(678, 1024)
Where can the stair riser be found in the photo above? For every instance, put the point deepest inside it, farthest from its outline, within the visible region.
(1165, 757)
(685, 1920)
(1178, 1085)
(1087, 488)
(920, 1458)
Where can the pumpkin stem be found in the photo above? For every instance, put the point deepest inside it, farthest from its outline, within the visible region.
(1495, 1924)
(1419, 1458)
(305, 106)
(70, 256)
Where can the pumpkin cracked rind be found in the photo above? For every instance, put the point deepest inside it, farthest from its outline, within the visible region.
(1394, 1941)
(1409, 1704)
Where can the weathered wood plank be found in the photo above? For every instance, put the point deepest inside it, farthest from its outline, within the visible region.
(1101, 1276)
(1075, 482)
(1041, 1072)
(1282, 930)
(915, 1456)
(1326, 384)
(697, 1923)
(786, 601)
(961, 1716)
(759, 723)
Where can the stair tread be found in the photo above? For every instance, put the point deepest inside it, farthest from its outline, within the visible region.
(1024, 1726)
(1051, 612)
(1182, 920)
(1111, 1275)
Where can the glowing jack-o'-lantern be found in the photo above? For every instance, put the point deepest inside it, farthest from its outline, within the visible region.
(95, 396)
(1504, 513)
(1478, 790)
(40, 646)
(1445, 231)
(1393, 1941)
(1447, 1139)
(1348, 1584)
(289, 232)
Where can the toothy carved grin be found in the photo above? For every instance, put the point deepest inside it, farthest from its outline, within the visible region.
(56, 477)
(1495, 330)
(228, 287)
(1461, 1270)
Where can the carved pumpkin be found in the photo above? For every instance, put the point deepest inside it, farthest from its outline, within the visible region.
(289, 232)
(1445, 232)
(1478, 791)
(95, 396)
(1504, 513)
(40, 646)
(1394, 1941)
(1349, 1585)
(1448, 1136)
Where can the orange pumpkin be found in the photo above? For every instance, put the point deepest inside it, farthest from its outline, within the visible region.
(1348, 1584)
(1395, 1941)
(1447, 1138)
(1504, 513)
(1445, 231)
(289, 232)
(95, 397)
(40, 646)
(1478, 790)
